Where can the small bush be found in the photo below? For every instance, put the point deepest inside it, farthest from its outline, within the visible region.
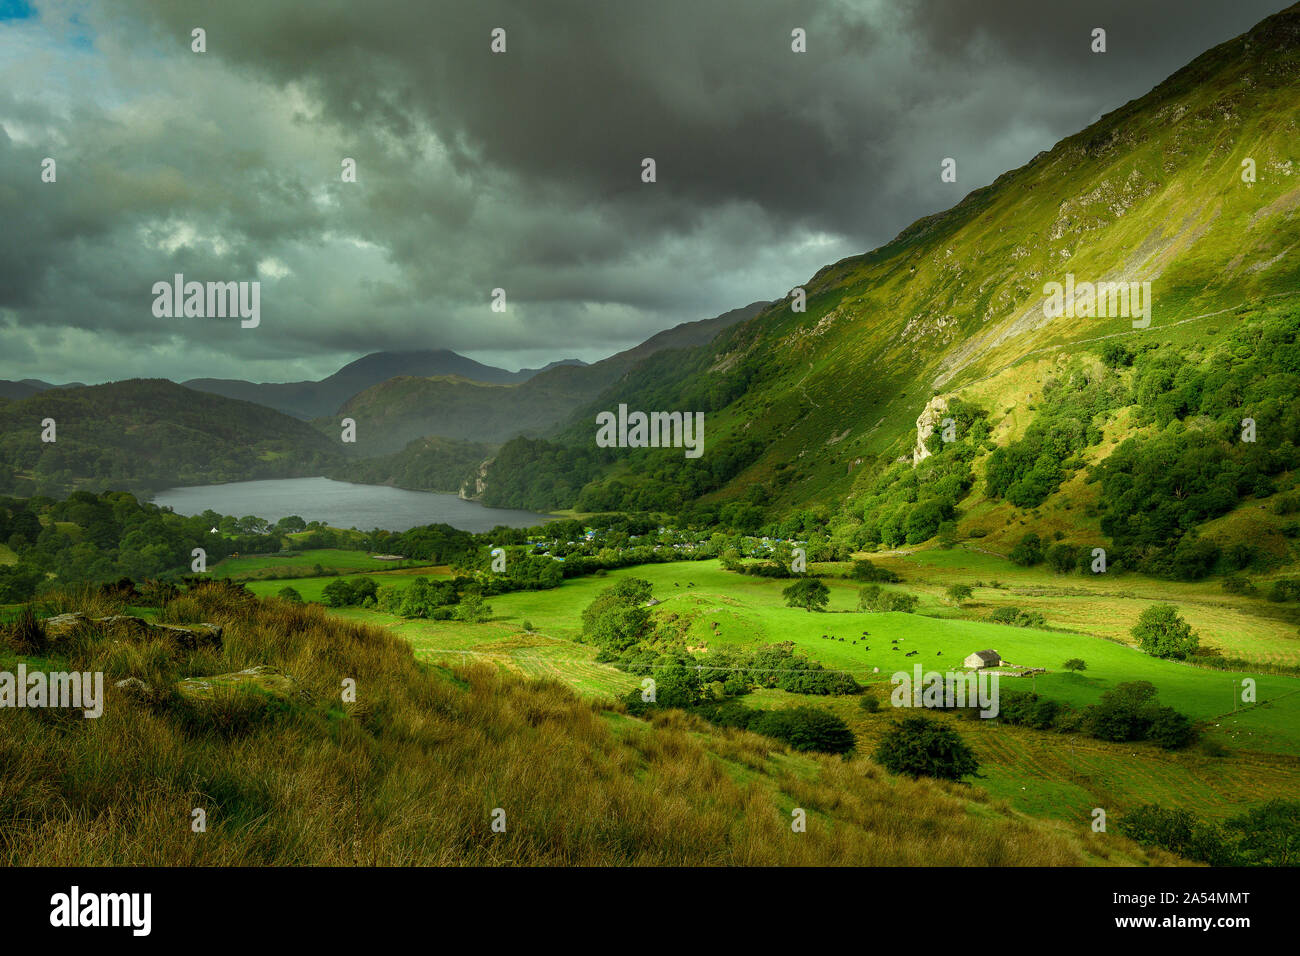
(1029, 551)
(26, 633)
(289, 594)
(923, 747)
(805, 728)
(1236, 584)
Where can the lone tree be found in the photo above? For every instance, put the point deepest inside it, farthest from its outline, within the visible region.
(1161, 632)
(473, 608)
(618, 619)
(291, 595)
(1075, 664)
(959, 592)
(921, 747)
(807, 593)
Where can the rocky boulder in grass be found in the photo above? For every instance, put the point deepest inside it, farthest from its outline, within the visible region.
(264, 678)
(124, 626)
(137, 690)
(60, 627)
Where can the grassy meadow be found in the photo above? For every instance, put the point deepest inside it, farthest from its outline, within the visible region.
(416, 768)
(1040, 773)
(254, 566)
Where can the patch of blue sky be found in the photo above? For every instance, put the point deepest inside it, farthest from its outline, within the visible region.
(16, 10)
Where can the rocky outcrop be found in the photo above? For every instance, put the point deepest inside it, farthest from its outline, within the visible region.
(125, 627)
(930, 418)
(472, 489)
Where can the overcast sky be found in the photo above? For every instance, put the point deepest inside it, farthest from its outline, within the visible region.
(519, 170)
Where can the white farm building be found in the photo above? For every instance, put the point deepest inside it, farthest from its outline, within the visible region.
(983, 659)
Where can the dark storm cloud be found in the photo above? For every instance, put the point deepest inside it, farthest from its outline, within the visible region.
(519, 170)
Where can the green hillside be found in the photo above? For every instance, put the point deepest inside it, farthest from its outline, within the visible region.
(425, 464)
(147, 434)
(811, 407)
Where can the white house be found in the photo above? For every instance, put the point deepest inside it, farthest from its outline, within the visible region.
(980, 659)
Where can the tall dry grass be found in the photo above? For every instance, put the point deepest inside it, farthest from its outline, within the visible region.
(411, 772)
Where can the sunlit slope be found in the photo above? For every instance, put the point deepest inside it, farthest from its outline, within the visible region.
(1152, 192)
(420, 766)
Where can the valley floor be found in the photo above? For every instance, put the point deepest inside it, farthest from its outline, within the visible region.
(1253, 751)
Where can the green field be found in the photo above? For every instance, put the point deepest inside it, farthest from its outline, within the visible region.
(1247, 627)
(1042, 773)
(300, 562)
(1064, 776)
(749, 610)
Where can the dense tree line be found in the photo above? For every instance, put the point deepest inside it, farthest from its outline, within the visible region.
(88, 538)
(1026, 471)
(1267, 835)
(1219, 424)
(1128, 712)
(538, 475)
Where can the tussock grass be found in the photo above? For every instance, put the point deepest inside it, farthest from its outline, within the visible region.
(410, 773)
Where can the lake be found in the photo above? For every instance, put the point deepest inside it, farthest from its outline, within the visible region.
(342, 504)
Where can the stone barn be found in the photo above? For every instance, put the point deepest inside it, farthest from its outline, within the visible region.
(983, 659)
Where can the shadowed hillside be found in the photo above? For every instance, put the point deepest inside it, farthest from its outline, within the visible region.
(397, 411)
(149, 434)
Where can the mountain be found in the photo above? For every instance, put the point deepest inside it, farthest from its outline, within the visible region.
(318, 399)
(526, 373)
(30, 386)
(816, 408)
(403, 408)
(147, 434)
